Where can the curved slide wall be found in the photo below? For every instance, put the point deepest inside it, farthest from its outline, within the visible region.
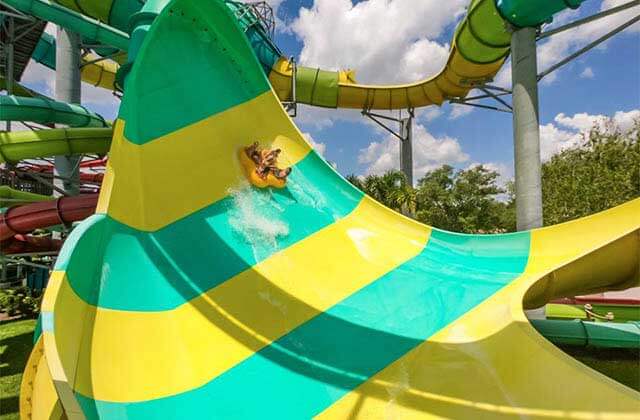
(310, 301)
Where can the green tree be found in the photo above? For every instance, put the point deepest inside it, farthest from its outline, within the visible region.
(463, 201)
(384, 188)
(601, 172)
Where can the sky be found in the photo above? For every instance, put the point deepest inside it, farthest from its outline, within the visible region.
(395, 41)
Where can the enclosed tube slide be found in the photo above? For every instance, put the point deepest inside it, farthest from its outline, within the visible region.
(480, 46)
(86, 26)
(593, 334)
(19, 145)
(46, 111)
(10, 197)
(29, 243)
(24, 219)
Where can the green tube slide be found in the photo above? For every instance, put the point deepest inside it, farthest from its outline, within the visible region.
(19, 145)
(46, 111)
(584, 333)
(523, 13)
(45, 51)
(621, 313)
(10, 197)
(87, 27)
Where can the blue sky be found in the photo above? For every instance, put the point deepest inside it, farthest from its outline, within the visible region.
(336, 34)
(611, 85)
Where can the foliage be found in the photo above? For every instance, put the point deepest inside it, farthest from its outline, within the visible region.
(600, 172)
(462, 201)
(603, 171)
(20, 301)
(16, 341)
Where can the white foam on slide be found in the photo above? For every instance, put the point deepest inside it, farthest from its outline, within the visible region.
(258, 219)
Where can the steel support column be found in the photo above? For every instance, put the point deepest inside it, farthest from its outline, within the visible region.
(68, 89)
(406, 148)
(526, 129)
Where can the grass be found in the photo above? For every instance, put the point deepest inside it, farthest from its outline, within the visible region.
(16, 341)
(622, 365)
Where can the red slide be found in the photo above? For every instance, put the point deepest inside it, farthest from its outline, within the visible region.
(28, 243)
(24, 219)
(95, 177)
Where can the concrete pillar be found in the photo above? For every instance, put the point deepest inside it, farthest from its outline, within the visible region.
(68, 89)
(526, 129)
(406, 148)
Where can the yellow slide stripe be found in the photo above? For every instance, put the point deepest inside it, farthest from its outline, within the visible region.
(38, 398)
(133, 356)
(492, 363)
(193, 167)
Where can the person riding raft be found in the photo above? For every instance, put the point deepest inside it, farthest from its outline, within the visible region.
(266, 162)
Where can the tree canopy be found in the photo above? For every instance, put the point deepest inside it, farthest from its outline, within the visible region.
(603, 171)
(600, 172)
(461, 201)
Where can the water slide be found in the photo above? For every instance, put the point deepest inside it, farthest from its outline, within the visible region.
(90, 28)
(313, 300)
(11, 197)
(93, 137)
(25, 219)
(479, 48)
(95, 70)
(47, 111)
(20, 244)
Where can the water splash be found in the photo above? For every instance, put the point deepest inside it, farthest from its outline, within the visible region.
(257, 219)
(306, 193)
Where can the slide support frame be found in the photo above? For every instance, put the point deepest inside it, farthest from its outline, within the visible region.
(68, 89)
(526, 129)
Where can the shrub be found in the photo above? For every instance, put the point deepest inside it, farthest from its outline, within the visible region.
(20, 301)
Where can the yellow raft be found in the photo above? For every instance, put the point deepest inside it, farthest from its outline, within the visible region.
(253, 177)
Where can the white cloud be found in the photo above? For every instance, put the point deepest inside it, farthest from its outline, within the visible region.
(587, 73)
(386, 41)
(319, 147)
(428, 114)
(429, 153)
(459, 111)
(39, 78)
(317, 118)
(553, 140)
(568, 131)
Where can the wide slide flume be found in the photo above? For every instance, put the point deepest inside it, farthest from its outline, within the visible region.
(313, 300)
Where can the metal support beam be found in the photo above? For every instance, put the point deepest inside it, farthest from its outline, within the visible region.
(497, 98)
(68, 89)
(292, 106)
(589, 46)
(58, 191)
(405, 136)
(406, 148)
(10, 60)
(493, 108)
(588, 19)
(526, 129)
